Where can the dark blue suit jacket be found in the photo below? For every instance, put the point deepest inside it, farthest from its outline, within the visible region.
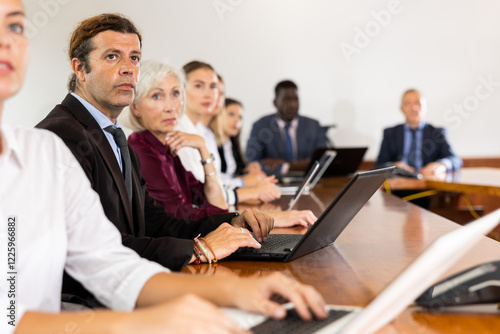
(435, 147)
(266, 142)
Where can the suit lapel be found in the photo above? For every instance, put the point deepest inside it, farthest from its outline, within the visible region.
(304, 135)
(400, 141)
(427, 135)
(82, 115)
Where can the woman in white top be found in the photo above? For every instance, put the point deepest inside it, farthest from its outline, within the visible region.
(226, 127)
(201, 98)
(53, 221)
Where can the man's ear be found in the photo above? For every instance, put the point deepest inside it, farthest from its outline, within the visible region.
(274, 102)
(78, 68)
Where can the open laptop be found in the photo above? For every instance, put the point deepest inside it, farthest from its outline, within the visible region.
(312, 177)
(287, 247)
(440, 256)
(324, 161)
(347, 160)
(304, 186)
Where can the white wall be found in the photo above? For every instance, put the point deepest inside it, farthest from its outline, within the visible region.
(445, 48)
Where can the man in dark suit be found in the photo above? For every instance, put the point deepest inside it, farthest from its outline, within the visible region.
(417, 146)
(105, 56)
(285, 141)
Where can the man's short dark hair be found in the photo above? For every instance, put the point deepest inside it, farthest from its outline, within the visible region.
(80, 44)
(282, 85)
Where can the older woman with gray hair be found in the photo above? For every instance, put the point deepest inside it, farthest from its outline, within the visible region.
(153, 116)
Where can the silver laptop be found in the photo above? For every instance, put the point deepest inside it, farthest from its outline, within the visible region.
(425, 270)
(324, 162)
(304, 186)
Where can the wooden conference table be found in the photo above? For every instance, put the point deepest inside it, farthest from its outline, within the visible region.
(477, 180)
(384, 238)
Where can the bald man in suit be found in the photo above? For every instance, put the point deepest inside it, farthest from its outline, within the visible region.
(417, 146)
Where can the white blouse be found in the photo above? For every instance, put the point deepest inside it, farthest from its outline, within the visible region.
(56, 223)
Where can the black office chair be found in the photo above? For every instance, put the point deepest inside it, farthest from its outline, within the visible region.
(325, 128)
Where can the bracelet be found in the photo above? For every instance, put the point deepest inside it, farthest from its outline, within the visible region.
(211, 249)
(197, 254)
(210, 159)
(196, 251)
(204, 251)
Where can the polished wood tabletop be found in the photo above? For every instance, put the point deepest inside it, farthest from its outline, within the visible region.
(380, 242)
(470, 180)
(479, 180)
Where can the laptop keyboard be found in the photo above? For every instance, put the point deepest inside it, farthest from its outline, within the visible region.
(274, 242)
(294, 324)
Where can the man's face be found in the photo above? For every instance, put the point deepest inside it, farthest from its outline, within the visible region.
(287, 103)
(414, 107)
(114, 69)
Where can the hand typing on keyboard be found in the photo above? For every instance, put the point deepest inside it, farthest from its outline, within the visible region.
(259, 223)
(293, 323)
(308, 302)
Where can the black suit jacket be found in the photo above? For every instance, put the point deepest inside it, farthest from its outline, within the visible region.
(240, 163)
(435, 146)
(145, 226)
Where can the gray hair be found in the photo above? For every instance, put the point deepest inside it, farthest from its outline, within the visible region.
(153, 72)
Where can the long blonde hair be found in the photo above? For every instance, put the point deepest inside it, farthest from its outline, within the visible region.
(217, 123)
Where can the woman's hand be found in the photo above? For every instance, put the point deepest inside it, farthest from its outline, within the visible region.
(253, 179)
(267, 190)
(293, 217)
(253, 167)
(185, 314)
(253, 294)
(177, 140)
(226, 239)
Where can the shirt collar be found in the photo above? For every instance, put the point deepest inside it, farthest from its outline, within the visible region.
(10, 145)
(100, 118)
(419, 127)
(187, 124)
(153, 141)
(293, 124)
(202, 127)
